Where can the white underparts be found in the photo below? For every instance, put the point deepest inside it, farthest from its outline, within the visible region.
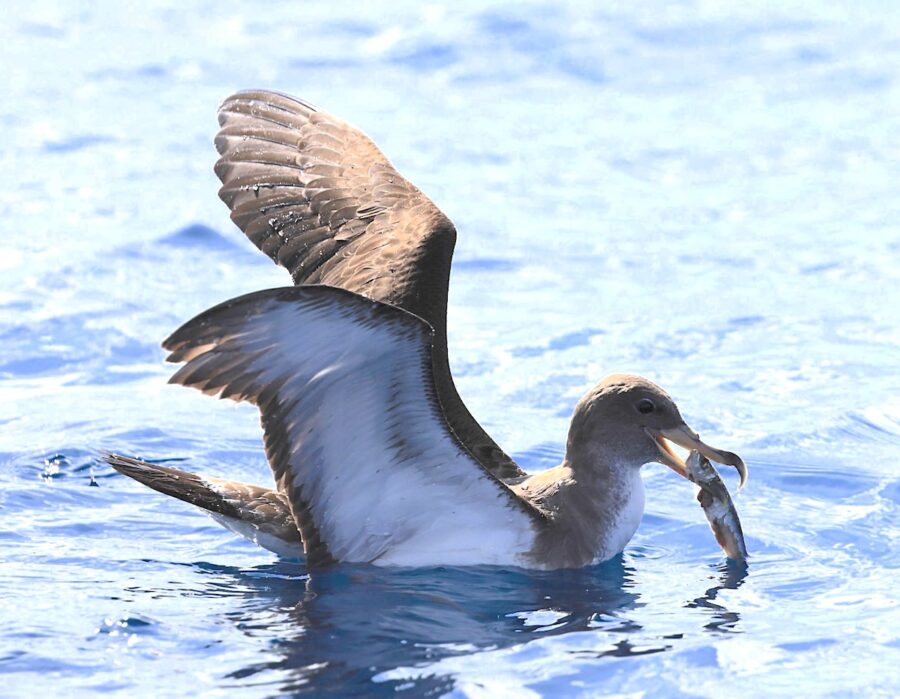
(630, 505)
(283, 548)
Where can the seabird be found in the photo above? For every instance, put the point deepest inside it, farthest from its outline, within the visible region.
(375, 457)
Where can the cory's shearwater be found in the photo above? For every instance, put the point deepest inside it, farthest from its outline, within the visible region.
(376, 458)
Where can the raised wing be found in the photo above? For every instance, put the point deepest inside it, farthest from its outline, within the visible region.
(354, 430)
(320, 198)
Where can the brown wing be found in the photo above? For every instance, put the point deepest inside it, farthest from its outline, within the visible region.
(261, 510)
(318, 197)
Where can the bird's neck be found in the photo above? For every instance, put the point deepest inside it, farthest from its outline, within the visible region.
(594, 508)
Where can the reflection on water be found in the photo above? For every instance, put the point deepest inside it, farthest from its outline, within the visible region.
(342, 626)
(731, 577)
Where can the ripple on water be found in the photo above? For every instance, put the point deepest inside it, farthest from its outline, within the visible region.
(127, 625)
(691, 245)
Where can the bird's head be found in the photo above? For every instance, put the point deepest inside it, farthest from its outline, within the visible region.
(629, 420)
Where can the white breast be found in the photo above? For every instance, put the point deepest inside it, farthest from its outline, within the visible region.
(630, 503)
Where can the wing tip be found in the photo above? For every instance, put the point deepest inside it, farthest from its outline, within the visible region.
(126, 465)
(272, 98)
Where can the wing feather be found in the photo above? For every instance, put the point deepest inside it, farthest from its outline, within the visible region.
(319, 198)
(354, 430)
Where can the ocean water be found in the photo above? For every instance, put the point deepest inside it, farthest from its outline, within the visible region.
(704, 193)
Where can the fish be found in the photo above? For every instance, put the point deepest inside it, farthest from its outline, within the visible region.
(717, 506)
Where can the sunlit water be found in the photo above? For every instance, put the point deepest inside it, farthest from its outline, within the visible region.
(704, 194)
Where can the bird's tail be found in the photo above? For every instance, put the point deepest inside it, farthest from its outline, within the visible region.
(259, 514)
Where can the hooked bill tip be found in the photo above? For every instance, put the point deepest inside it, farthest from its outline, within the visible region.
(738, 463)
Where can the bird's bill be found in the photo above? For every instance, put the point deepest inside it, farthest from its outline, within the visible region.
(685, 437)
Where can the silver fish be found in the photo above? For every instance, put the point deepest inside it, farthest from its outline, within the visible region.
(717, 506)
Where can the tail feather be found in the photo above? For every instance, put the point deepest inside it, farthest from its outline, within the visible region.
(259, 514)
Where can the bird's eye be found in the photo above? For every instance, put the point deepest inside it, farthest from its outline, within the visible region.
(645, 406)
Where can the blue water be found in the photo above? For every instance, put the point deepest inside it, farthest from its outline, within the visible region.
(704, 193)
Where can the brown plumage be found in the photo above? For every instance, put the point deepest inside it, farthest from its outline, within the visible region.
(375, 457)
(318, 197)
(262, 509)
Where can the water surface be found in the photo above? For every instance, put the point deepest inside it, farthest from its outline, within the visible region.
(702, 193)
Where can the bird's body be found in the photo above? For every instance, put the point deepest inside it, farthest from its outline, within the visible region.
(376, 458)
